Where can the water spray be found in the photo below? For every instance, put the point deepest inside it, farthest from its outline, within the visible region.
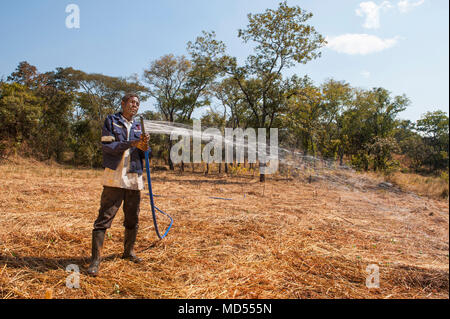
(293, 159)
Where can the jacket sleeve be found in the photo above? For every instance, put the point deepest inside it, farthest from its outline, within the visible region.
(109, 143)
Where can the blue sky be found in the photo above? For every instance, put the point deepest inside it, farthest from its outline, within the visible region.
(401, 45)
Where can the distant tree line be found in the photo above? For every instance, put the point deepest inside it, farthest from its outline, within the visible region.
(59, 114)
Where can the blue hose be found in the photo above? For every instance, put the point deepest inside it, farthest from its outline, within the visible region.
(150, 192)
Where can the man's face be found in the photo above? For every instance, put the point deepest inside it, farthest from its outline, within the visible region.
(131, 107)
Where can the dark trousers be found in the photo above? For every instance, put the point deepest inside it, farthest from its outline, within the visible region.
(110, 202)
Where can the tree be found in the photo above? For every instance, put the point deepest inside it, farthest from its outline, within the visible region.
(166, 78)
(20, 111)
(282, 39)
(233, 102)
(434, 125)
(384, 110)
(381, 150)
(369, 122)
(95, 96)
(337, 96)
(25, 74)
(207, 58)
(98, 94)
(416, 150)
(55, 122)
(179, 85)
(434, 128)
(304, 113)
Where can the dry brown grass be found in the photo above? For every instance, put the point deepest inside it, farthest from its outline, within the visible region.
(281, 239)
(430, 186)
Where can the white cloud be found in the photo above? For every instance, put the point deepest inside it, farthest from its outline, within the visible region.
(371, 11)
(405, 5)
(359, 43)
(365, 74)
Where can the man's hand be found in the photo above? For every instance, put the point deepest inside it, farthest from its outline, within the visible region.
(142, 143)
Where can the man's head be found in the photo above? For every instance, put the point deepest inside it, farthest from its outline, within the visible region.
(130, 105)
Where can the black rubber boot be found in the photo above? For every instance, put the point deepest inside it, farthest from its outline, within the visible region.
(98, 237)
(128, 244)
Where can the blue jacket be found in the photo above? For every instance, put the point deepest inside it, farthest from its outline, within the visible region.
(114, 143)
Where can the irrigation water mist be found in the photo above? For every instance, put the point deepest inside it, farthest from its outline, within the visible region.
(288, 158)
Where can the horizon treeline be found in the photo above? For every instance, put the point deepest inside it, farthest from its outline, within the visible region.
(59, 114)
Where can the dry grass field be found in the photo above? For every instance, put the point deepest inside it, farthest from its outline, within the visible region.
(286, 238)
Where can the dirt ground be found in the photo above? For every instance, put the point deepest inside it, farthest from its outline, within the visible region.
(286, 238)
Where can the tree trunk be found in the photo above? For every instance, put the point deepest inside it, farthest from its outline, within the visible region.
(262, 177)
(169, 159)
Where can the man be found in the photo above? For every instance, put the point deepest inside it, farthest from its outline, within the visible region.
(123, 147)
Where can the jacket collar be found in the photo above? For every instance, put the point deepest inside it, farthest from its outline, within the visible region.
(134, 124)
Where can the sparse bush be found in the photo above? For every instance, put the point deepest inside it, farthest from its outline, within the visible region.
(361, 161)
(381, 150)
(392, 166)
(444, 176)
